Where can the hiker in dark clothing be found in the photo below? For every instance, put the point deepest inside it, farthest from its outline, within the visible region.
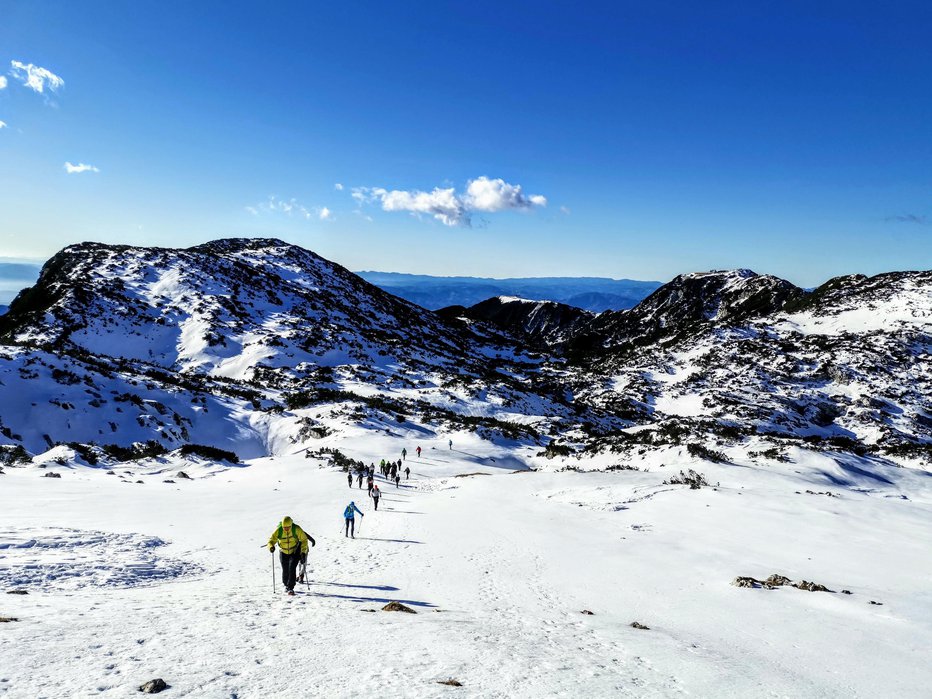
(370, 482)
(359, 478)
(407, 473)
(397, 480)
(418, 450)
(404, 454)
(349, 479)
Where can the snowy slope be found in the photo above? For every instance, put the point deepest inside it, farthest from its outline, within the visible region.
(129, 581)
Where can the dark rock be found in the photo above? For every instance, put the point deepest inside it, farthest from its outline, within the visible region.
(139, 481)
(846, 592)
(810, 586)
(5, 619)
(745, 581)
(879, 604)
(111, 473)
(586, 611)
(17, 592)
(776, 580)
(168, 480)
(639, 625)
(450, 683)
(367, 610)
(182, 474)
(51, 474)
(397, 607)
(153, 686)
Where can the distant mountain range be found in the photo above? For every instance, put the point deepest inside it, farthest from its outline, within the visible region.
(594, 294)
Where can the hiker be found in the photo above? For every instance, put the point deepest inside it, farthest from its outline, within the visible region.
(349, 515)
(375, 495)
(407, 473)
(370, 482)
(404, 454)
(418, 450)
(349, 478)
(359, 478)
(450, 443)
(397, 480)
(292, 544)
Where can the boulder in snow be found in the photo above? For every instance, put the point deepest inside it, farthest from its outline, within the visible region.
(397, 607)
(51, 474)
(153, 686)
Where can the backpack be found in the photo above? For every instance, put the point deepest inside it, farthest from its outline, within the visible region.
(294, 530)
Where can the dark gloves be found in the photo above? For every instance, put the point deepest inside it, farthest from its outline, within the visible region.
(272, 548)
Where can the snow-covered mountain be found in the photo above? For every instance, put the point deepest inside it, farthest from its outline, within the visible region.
(212, 343)
(728, 434)
(258, 346)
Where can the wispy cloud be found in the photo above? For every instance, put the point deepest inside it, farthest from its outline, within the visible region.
(449, 207)
(79, 168)
(290, 207)
(3, 82)
(338, 186)
(907, 218)
(2, 124)
(35, 77)
(565, 210)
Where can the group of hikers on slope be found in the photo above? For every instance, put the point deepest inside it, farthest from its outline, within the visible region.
(292, 540)
(390, 470)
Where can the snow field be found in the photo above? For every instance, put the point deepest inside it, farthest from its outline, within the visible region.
(498, 567)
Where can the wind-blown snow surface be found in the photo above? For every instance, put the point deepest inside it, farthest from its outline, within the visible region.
(499, 568)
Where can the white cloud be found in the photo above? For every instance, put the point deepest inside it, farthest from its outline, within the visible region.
(483, 194)
(2, 82)
(338, 186)
(565, 210)
(35, 77)
(448, 207)
(324, 214)
(79, 168)
(2, 124)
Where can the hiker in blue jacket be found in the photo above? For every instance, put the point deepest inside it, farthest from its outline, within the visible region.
(349, 514)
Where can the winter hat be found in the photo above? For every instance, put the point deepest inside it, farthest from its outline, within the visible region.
(287, 522)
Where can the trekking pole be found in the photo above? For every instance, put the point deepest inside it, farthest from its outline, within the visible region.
(273, 571)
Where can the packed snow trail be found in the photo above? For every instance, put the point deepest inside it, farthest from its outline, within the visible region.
(499, 568)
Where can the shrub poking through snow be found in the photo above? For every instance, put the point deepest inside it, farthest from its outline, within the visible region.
(702, 452)
(691, 478)
(450, 683)
(639, 625)
(208, 452)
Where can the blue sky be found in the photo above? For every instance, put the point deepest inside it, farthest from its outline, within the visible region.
(621, 139)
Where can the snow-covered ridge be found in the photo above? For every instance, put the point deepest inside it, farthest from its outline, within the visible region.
(260, 347)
